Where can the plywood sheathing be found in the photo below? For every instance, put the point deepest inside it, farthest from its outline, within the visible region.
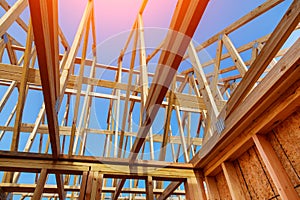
(285, 139)
(244, 184)
(254, 173)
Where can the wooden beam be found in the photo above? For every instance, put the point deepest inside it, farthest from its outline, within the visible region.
(119, 187)
(186, 102)
(181, 30)
(12, 113)
(264, 105)
(99, 182)
(209, 100)
(277, 172)
(182, 137)
(60, 186)
(52, 189)
(7, 94)
(216, 68)
(11, 15)
(281, 33)
(44, 29)
(77, 100)
(83, 185)
(212, 189)
(238, 61)
(240, 22)
(68, 67)
(192, 189)
(89, 186)
(23, 89)
(169, 190)
(149, 188)
(40, 185)
(233, 181)
(125, 112)
(11, 53)
(35, 128)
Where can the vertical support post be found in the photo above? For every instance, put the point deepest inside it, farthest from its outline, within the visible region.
(149, 188)
(83, 185)
(213, 192)
(233, 181)
(276, 170)
(40, 185)
(191, 189)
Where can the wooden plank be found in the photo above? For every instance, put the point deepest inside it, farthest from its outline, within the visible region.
(43, 30)
(7, 94)
(281, 33)
(200, 179)
(234, 55)
(89, 186)
(232, 181)
(8, 120)
(192, 190)
(209, 100)
(60, 186)
(119, 187)
(29, 188)
(240, 22)
(240, 125)
(149, 188)
(163, 149)
(23, 89)
(216, 68)
(125, 112)
(171, 57)
(85, 114)
(68, 68)
(169, 190)
(99, 187)
(212, 188)
(11, 15)
(80, 78)
(186, 102)
(278, 174)
(83, 185)
(11, 53)
(143, 64)
(6, 7)
(40, 185)
(181, 131)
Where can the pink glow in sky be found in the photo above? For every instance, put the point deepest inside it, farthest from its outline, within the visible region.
(115, 16)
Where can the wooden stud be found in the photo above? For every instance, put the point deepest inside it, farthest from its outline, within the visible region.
(212, 188)
(234, 55)
(277, 172)
(232, 181)
(23, 89)
(44, 37)
(149, 188)
(83, 185)
(7, 94)
(261, 9)
(11, 15)
(169, 57)
(281, 33)
(40, 185)
(99, 182)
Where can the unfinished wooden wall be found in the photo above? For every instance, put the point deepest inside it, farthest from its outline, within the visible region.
(253, 176)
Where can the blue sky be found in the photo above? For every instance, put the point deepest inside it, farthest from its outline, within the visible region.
(114, 20)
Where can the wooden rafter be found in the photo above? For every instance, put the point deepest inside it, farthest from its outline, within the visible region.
(181, 30)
